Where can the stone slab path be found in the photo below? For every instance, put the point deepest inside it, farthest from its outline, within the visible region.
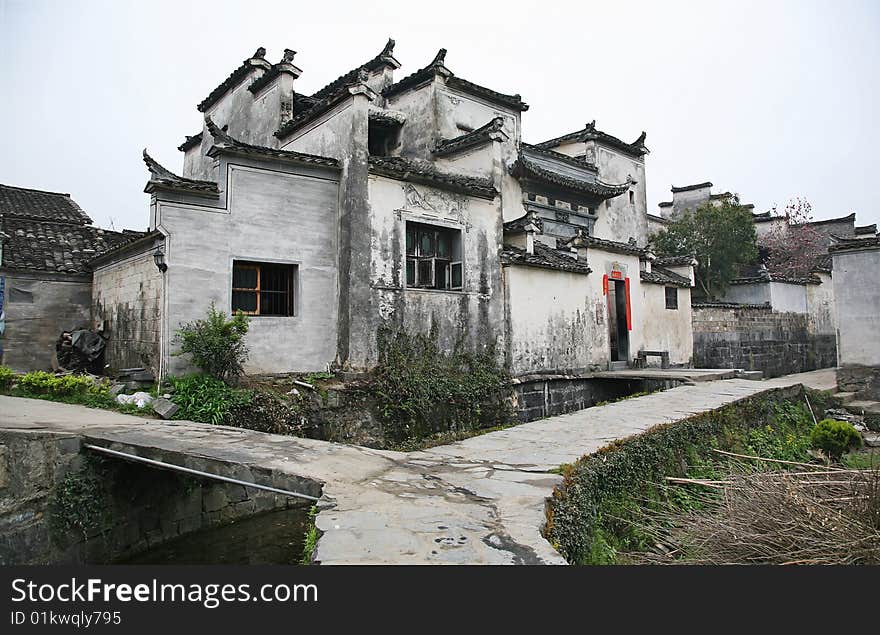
(478, 501)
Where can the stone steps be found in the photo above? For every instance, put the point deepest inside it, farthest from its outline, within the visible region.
(844, 397)
(863, 407)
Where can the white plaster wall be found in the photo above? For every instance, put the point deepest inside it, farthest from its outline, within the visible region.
(475, 162)
(788, 298)
(668, 329)
(619, 219)
(601, 262)
(555, 322)
(857, 297)
(477, 311)
(272, 216)
(820, 305)
(757, 293)
(327, 136)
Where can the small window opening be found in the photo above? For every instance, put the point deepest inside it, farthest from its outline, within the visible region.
(261, 288)
(575, 207)
(632, 197)
(531, 196)
(382, 138)
(672, 298)
(551, 202)
(433, 257)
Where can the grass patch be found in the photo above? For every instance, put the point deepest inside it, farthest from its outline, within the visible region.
(595, 510)
(310, 541)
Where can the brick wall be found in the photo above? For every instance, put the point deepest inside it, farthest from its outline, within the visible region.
(127, 298)
(756, 338)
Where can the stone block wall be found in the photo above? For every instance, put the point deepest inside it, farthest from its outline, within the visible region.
(39, 306)
(545, 397)
(142, 507)
(756, 338)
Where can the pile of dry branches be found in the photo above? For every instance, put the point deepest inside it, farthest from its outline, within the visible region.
(807, 515)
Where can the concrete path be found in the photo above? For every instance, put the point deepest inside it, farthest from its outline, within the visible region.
(479, 501)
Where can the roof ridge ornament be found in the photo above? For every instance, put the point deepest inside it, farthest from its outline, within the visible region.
(288, 55)
(259, 54)
(439, 59)
(389, 48)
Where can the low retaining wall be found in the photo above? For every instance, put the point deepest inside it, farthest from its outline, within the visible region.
(136, 507)
(536, 398)
(756, 338)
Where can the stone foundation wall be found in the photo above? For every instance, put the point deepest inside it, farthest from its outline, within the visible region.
(141, 507)
(756, 338)
(862, 380)
(545, 397)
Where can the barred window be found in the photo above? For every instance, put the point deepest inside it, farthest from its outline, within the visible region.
(433, 257)
(262, 288)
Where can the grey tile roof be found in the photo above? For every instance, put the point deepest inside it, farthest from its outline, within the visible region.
(20, 202)
(574, 161)
(235, 78)
(35, 245)
(480, 136)
(191, 142)
(224, 142)
(544, 257)
(384, 58)
(164, 179)
(673, 261)
(856, 244)
(320, 106)
(688, 188)
(524, 168)
(589, 133)
(437, 66)
(659, 275)
(424, 172)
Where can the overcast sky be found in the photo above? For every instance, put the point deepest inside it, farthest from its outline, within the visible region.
(772, 100)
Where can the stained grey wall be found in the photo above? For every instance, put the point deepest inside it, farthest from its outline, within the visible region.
(127, 300)
(39, 306)
(271, 213)
(857, 296)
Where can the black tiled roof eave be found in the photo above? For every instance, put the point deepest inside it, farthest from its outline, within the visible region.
(125, 247)
(689, 188)
(523, 168)
(664, 277)
(543, 258)
(590, 133)
(475, 138)
(235, 78)
(614, 246)
(316, 110)
(384, 58)
(162, 179)
(406, 170)
(514, 102)
(224, 143)
(673, 261)
(856, 244)
(573, 161)
(191, 142)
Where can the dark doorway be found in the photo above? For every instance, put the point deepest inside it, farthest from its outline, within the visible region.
(617, 326)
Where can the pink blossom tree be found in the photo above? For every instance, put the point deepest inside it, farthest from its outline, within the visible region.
(791, 248)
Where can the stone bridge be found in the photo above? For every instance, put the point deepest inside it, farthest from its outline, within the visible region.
(478, 501)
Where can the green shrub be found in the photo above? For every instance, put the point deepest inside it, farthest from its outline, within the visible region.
(422, 390)
(835, 437)
(216, 343)
(42, 383)
(7, 375)
(206, 399)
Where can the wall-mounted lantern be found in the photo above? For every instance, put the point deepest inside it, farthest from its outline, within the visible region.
(159, 258)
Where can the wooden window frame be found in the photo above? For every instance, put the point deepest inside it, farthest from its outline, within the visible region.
(258, 289)
(414, 255)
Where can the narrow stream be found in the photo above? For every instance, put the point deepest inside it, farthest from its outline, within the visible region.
(270, 538)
